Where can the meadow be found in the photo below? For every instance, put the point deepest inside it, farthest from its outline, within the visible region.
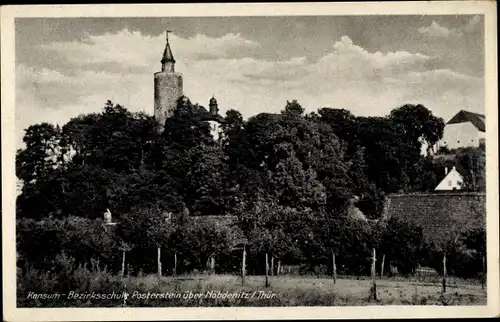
(227, 290)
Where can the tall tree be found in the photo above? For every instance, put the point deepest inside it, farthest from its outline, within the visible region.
(419, 124)
(472, 162)
(40, 156)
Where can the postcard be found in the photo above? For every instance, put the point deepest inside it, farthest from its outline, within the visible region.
(250, 161)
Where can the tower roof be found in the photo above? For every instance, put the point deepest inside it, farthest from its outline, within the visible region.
(167, 54)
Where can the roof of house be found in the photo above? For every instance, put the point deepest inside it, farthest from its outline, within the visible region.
(441, 215)
(204, 115)
(476, 119)
(449, 175)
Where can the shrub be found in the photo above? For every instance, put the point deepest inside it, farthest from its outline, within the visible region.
(402, 244)
(463, 257)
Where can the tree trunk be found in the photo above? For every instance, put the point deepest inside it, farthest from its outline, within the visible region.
(175, 264)
(279, 268)
(128, 270)
(243, 264)
(272, 265)
(382, 266)
(334, 268)
(444, 273)
(373, 291)
(267, 272)
(483, 279)
(158, 260)
(123, 264)
(212, 265)
(473, 179)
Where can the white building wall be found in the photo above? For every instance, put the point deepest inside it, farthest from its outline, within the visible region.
(459, 135)
(214, 129)
(452, 181)
(19, 186)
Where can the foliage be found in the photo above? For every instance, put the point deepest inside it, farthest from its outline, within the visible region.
(289, 178)
(144, 227)
(419, 124)
(195, 241)
(402, 244)
(391, 145)
(472, 165)
(464, 256)
(39, 242)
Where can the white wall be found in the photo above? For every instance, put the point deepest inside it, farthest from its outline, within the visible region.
(452, 181)
(214, 129)
(19, 186)
(460, 135)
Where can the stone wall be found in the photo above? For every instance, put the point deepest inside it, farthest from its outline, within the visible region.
(441, 215)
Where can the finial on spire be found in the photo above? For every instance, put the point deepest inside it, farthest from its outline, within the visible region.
(166, 34)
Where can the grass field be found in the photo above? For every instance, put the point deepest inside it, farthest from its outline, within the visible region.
(226, 290)
(299, 291)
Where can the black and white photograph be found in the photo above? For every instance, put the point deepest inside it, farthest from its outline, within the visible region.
(250, 157)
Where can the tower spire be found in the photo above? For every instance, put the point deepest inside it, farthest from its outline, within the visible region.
(167, 61)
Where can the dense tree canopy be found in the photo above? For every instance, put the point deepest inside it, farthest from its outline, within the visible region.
(289, 179)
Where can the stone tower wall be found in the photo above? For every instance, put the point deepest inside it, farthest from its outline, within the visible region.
(168, 89)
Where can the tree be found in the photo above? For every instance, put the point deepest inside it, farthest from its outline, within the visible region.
(402, 244)
(184, 129)
(145, 227)
(199, 239)
(268, 228)
(115, 139)
(205, 181)
(40, 157)
(274, 150)
(419, 124)
(343, 124)
(472, 162)
(40, 241)
(292, 109)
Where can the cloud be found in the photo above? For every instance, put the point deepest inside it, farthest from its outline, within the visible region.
(134, 52)
(120, 67)
(290, 70)
(436, 30)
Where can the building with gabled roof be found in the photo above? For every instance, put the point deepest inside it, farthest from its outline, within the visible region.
(476, 119)
(465, 129)
(453, 180)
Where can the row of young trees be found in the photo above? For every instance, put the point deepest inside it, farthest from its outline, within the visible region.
(151, 245)
(288, 178)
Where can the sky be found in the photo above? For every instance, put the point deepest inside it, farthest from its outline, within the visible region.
(366, 64)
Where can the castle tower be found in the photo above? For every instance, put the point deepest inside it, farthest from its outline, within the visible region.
(214, 108)
(168, 88)
(214, 125)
